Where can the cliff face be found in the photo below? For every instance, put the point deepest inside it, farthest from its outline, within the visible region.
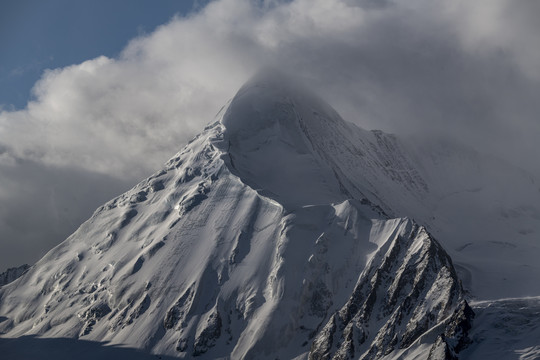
(408, 288)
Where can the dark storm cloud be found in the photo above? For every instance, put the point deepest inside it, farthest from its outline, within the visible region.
(463, 69)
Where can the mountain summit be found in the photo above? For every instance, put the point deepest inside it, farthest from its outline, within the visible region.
(272, 234)
(293, 147)
(268, 133)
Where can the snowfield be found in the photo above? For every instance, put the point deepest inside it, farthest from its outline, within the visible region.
(282, 231)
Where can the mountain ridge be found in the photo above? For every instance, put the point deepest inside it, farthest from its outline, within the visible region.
(205, 257)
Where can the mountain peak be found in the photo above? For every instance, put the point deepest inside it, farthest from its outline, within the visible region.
(270, 77)
(275, 134)
(194, 262)
(261, 102)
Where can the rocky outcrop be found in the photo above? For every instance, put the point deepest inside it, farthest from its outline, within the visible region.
(93, 315)
(208, 335)
(408, 288)
(456, 335)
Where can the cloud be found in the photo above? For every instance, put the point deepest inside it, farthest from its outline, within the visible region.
(41, 205)
(502, 25)
(464, 69)
(408, 66)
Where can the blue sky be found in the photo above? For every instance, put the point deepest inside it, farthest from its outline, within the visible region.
(36, 35)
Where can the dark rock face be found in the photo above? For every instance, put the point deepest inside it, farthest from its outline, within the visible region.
(408, 288)
(208, 336)
(175, 315)
(93, 315)
(440, 350)
(12, 274)
(456, 335)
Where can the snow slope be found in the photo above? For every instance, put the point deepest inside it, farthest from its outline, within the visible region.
(279, 231)
(506, 329)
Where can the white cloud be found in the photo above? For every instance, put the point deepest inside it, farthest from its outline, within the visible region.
(464, 68)
(375, 64)
(500, 25)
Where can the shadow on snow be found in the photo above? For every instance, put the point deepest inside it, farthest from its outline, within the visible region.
(31, 347)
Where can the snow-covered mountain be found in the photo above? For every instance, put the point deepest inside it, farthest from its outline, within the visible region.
(281, 231)
(484, 211)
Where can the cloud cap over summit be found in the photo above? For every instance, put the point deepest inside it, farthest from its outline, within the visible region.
(463, 69)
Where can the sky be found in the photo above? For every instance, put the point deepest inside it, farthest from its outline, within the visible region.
(95, 96)
(36, 35)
